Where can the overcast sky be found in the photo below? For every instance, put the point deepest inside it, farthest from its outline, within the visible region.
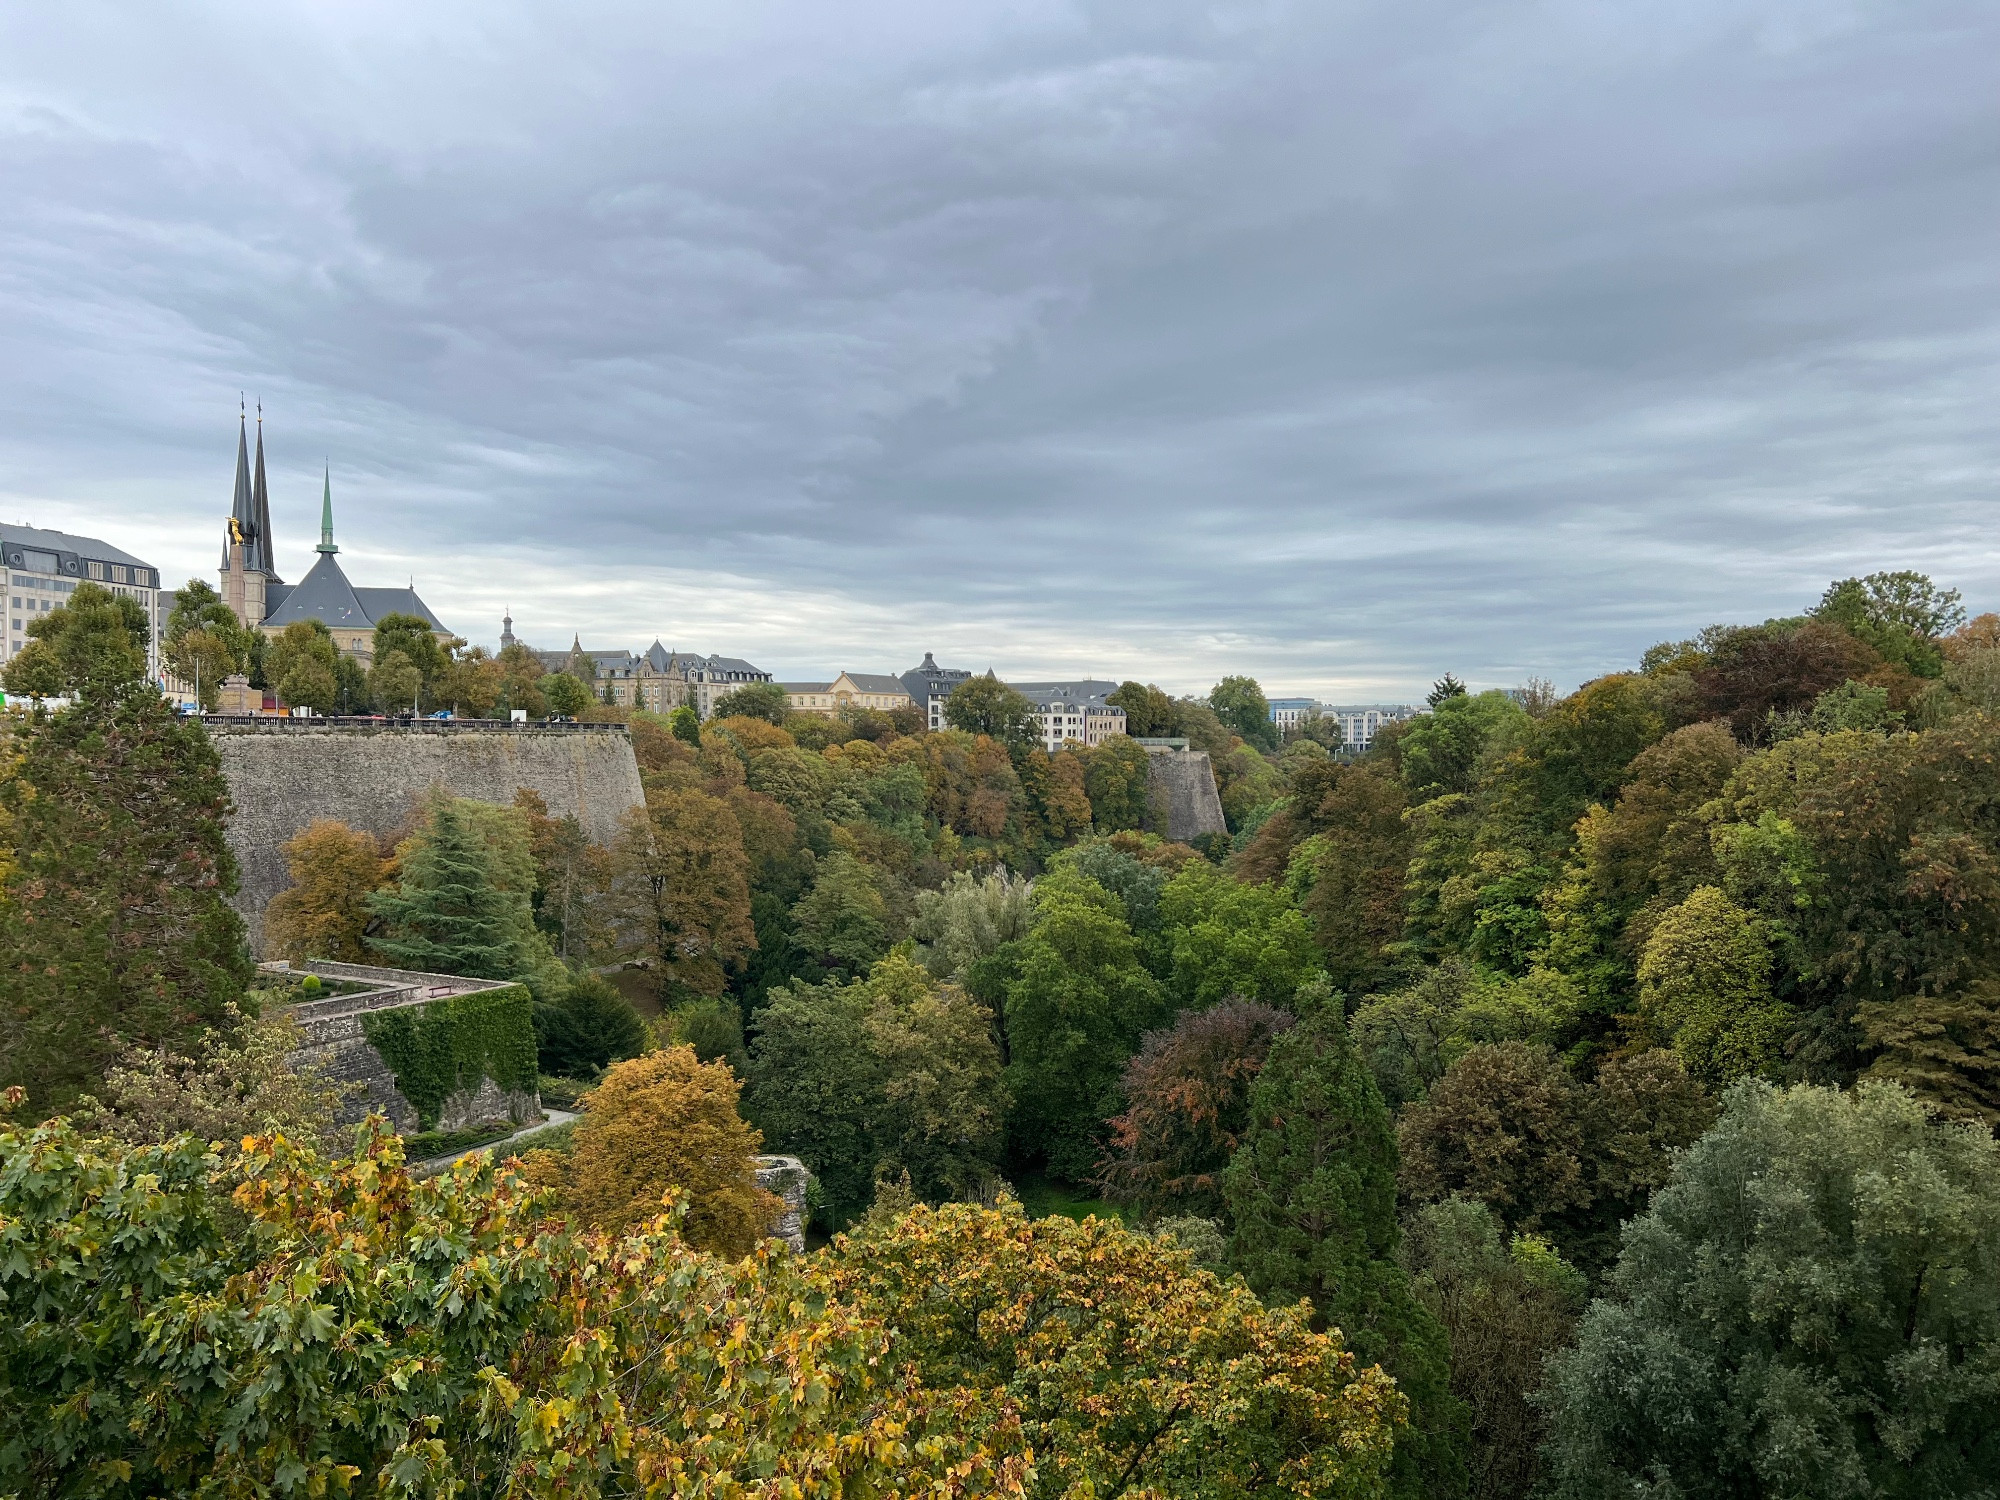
(1342, 342)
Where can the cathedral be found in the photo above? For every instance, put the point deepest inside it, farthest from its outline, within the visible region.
(256, 594)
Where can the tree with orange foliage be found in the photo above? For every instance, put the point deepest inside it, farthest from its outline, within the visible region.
(325, 911)
(664, 1122)
(684, 889)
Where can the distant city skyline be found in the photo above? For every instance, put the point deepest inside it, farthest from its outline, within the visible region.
(1338, 346)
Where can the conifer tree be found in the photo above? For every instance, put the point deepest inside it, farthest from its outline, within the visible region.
(115, 925)
(449, 914)
(1312, 1192)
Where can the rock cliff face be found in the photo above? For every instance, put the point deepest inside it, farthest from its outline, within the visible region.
(788, 1178)
(285, 773)
(1181, 784)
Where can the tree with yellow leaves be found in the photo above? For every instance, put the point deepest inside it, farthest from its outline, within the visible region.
(665, 1121)
(1133, 1372)
(324, 912)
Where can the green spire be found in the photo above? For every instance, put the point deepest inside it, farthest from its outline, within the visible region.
(326, 518)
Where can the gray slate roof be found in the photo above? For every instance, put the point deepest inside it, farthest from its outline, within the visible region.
(62, 541)
(877, 682)
(325, 595)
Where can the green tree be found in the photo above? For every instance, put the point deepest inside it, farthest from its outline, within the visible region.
(587, 1027)
(417, 640)
(985, 705)
(565, 695)
(755, 700)
(1228, 938)
(1705, 987)
(1077, 1008)
(1810, 1308)
(686, 725)
(1312, 1191)
(115, 923)
(395, 684)
(1505, 1308)
(303, 664)
(204, 643)
(968, 918)
(1444, 750)
(843, 921)
(1944, 1048)
(95, 644)
(1150, 712)
(452, 911)
(1240, 703)
(892, 1074)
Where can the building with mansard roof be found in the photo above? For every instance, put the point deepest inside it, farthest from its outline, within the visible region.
(257, 595)
(656, 679)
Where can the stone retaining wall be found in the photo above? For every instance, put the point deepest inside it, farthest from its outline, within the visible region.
(1181, 786)
(284, 773)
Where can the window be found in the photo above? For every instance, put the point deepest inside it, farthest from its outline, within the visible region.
(118, 574)
(96, 570)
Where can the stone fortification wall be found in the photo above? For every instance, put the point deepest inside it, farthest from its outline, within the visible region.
(1181, 785)
(285, 773)
(333, 1036)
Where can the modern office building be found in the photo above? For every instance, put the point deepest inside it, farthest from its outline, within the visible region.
(43, 569)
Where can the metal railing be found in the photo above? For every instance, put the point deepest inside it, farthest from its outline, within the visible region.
(281, 723)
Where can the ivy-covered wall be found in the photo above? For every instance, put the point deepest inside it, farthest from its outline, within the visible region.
(446, 1046)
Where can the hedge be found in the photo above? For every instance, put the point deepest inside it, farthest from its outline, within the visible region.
(437, 1049)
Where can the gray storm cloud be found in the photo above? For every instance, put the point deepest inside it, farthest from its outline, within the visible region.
(1342, 344)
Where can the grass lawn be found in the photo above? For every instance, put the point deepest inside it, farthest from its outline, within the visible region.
(1042, 1197)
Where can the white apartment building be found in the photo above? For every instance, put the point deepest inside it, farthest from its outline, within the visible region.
(1074, 711)
(43, 568)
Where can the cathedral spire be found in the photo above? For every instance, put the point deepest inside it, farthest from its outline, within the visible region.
(242, 509)
(257, 556)
(326, 547)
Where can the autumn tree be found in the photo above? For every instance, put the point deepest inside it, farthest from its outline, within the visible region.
(1811, 1307)
(1347, 872)
(324, 913)
(244, 1078)
(573, 878)
(144, 1282)
(1187, 1105)
(683, 889)
(1312, 1193)
(117, 927)
(1132, 1372)
(664, 1122)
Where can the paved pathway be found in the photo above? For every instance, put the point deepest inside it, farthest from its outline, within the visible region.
(436, 1164)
